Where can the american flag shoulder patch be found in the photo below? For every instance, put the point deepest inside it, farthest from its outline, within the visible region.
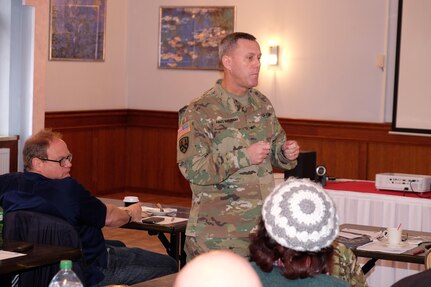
(184, 129)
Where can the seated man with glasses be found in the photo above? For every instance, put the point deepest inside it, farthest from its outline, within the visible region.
(47, 187)
(62, 161)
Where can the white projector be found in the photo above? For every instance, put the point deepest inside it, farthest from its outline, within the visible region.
(403, 182)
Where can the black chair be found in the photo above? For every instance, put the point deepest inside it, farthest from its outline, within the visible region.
(421, 279)
(41, 228)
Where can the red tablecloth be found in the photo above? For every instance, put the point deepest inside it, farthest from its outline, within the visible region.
(370, 187)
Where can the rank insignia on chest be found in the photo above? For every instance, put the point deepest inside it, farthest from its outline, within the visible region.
(227, 121)
(183, 144)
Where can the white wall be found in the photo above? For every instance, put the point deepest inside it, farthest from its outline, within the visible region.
(93, 85)
(328, 60)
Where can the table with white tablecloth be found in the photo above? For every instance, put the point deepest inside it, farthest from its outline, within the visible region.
(385, 209)
(359, 202)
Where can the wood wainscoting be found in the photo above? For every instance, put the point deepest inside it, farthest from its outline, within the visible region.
(135, 150)
(97, 140)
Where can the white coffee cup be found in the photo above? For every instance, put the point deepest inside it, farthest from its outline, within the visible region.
(129, 200)
(393, 234)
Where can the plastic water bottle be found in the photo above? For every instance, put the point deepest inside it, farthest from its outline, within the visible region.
(65, 277)
(1, 227)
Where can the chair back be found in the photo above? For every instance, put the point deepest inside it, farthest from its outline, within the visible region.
(41, 228)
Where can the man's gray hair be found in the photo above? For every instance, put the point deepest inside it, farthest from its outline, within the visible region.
(229, 42)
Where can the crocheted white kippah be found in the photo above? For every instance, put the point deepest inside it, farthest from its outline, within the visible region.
(300, 215)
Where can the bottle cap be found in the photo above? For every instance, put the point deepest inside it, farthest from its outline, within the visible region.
(65, 264)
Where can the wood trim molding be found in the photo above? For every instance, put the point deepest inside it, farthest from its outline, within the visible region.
(152, 119)
(86, 119)
(356, 131)
(135, 150)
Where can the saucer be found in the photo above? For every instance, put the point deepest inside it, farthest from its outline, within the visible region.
(395, 245)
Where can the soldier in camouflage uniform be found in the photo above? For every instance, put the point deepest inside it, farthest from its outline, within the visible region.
(228, 141)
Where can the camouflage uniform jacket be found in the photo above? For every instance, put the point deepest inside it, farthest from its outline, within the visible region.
(214, 132)
(346, 266)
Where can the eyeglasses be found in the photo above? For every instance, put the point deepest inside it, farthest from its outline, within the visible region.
(61, 161)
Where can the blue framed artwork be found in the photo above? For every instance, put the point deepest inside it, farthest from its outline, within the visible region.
(189, 36)
(77, 30)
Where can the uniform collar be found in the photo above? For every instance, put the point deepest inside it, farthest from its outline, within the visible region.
(230, 103)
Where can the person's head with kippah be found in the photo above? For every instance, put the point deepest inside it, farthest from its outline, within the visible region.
(298, 225)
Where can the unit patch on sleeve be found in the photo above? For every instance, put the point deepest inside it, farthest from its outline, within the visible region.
(183, 144)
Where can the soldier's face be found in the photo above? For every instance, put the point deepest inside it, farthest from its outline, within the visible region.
(245, 64)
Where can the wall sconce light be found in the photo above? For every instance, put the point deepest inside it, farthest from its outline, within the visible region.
(273, 55)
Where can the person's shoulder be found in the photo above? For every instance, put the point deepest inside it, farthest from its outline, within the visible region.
(255, 92)
(9, 178)
(68, 182)
(200, 104)
(183, 110)
(259, 96)
(15, 177)
(273, 278)
(11, 175)
(255, 267)
(321, 280)
(67, 179)
(326, 280)
(207, 97)
(342, 251)
(276, 278)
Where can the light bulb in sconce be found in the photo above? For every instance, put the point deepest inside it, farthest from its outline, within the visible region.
(273, 55)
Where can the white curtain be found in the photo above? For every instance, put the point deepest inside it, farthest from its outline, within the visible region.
(16, 70)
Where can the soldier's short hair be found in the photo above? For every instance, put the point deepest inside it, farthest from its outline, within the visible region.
(229, 42)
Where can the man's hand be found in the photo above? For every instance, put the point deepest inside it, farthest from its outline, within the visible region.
(258, 152)
(136, 211)
(116, 216)
(290, 149)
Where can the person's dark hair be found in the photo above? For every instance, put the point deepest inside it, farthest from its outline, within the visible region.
(36, 146)
(229, 42)
(267, 253)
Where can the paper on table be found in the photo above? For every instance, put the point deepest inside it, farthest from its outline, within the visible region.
(418, 239)
(372, 234)
(9, 254)
(383, 246)
(349, 235)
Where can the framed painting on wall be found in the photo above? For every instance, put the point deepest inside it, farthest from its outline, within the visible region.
(77, 30)
(189, 36)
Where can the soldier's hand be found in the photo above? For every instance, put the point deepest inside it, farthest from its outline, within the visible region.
(258, 152)
(290, 149)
